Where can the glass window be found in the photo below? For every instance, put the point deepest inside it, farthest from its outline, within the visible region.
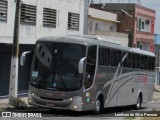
(90, 66)
(135, 60)
(115, 57)
(56, 66)
(142, 25)
(127, 61)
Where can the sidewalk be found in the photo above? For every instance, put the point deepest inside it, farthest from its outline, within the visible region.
(4, 103)
(157, 88)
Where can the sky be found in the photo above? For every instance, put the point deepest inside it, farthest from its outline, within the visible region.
(153, 4)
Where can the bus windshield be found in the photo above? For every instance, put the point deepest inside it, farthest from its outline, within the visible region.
(55, 66)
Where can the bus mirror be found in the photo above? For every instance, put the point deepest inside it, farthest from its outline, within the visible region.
(81, 65)
(23, 57)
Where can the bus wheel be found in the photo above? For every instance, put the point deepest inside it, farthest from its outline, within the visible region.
(139, 103)
(98, 106)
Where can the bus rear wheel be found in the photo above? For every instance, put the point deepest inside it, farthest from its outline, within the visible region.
(139, 103)
(98, 106)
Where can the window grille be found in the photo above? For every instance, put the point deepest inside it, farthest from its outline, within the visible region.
(49, 17)
(3, 10)
(73, 21)
(28, 14)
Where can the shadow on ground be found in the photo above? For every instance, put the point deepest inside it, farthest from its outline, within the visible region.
(109, 112)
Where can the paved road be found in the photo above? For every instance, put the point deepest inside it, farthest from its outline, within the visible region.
(110, 112)
(107, 113)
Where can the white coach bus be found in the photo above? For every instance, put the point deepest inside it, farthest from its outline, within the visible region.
(82, 73)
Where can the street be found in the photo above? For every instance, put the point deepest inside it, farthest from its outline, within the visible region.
(154, 105)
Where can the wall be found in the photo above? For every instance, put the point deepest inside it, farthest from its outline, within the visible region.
(30, 33)
(146, 35)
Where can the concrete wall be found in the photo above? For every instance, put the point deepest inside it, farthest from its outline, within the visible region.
(147, 35)
(104, 24)
(30, 33)
(101, 20)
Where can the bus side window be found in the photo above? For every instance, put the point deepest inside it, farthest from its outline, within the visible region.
(90, 67)
(151, 63)
(127, 61)
(135, 61)
(144, 63)
(115, 57)
(107, 55)
(101, 56)
(104, 56)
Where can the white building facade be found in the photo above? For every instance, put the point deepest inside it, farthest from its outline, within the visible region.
(38, 18)
(41, 18)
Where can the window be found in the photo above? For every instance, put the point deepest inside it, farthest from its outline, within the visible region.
(127, 61)
(73, 21)
(142, 25)
(111, 28)
(91, 58)
(28, 14)
(104, 56)
(115, 57)
(151, 63)
(90, 67)
(96, 26)
(3, 10)
(135, 60)
(49, 17)
(144, 60)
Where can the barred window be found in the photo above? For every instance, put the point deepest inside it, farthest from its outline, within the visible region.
(3, 10)
(73, 21)
(49, 17)
(28, 14)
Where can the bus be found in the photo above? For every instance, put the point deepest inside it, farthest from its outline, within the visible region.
(82, 73)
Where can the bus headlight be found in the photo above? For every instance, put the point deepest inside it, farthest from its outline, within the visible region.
(32, 94)
(74, 98)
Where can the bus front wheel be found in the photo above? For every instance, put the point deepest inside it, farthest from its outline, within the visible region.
(98, 106)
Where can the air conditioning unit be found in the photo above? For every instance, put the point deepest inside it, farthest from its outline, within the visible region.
(147, 22)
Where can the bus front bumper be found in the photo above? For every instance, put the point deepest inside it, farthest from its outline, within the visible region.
(74, 104)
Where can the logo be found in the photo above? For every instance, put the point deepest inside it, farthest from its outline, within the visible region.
(6, 114)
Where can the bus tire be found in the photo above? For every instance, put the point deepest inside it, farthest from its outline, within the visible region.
(98, 106)
(139, 103)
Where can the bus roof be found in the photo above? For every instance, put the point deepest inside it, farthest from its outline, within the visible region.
(137, 50)
(89, 40)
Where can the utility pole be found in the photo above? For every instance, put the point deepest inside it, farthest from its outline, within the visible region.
(15, 51)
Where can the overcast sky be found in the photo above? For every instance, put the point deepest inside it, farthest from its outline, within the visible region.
(153, 4)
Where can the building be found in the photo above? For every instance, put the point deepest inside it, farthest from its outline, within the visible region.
(104, 24)
(38, 18)
(157, 53)
(136, 20)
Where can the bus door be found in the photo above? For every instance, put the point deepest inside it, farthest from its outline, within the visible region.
(89, 76)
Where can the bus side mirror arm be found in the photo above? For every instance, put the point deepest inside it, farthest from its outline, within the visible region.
(23, 57)
(81, 65)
